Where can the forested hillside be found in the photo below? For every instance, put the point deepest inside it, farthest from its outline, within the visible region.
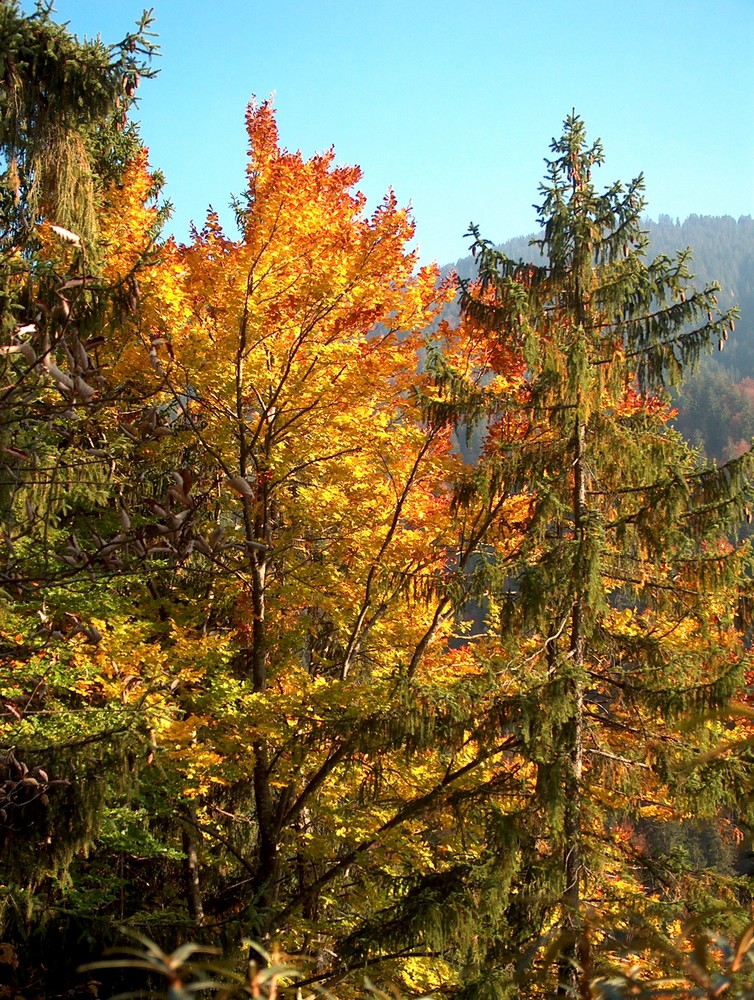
(716, 403)
(243, 706)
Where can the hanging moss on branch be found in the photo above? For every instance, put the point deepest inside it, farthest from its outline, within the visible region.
(57, 96)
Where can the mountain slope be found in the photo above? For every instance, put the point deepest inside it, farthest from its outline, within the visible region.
(716, 403)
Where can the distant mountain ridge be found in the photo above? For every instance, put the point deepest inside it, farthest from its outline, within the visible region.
(723, 249)
(716, 403)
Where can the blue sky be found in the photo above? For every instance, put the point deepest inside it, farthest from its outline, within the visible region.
(453, 104)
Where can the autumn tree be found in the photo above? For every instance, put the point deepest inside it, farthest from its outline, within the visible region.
(244, 642)
(614, 619)
(239, 550)
(296, 403)
(308, 519)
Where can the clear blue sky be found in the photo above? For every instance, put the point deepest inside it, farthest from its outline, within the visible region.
(453, 104)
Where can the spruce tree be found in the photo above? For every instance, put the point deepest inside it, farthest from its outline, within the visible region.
(66, 154)
(615, 622)
(63, 118)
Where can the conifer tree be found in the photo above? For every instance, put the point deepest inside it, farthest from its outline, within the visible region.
(68, 161)
(615, 619)
(63, 125)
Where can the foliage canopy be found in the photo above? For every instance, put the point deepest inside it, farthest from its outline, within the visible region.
(275, 660)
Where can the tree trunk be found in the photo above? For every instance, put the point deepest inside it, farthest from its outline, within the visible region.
(573, 978)
(268, 862)
(191, 868)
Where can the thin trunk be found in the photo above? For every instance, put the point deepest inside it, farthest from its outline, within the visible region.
(573, 973)
(191, 868)
(268, 861)
(258, 653)
(258, 535)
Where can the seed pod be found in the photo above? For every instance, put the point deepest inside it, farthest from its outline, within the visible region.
(11, 349)
(82, 358)
(28, 352)
(160, 550)
(178, 495)
(129, 430)
(241, 486)
(201, 545)
(26, 349)
(82, 389)
(76, 282)
(216, 537)
(66, 234)
(187, 480)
